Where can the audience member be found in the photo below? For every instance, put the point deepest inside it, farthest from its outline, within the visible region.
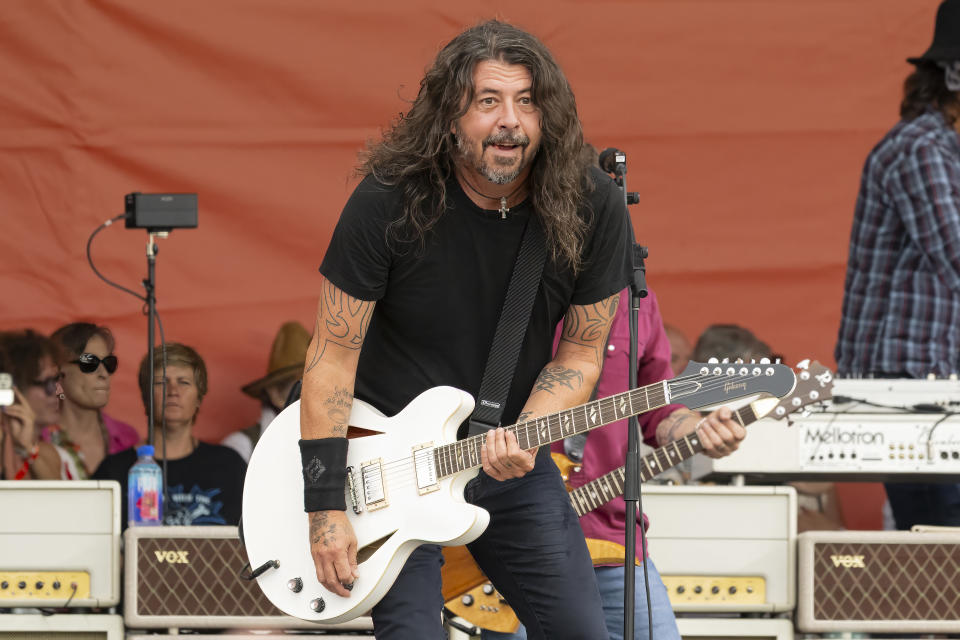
(284, 368)
(204, 481)
(32, 362)
(86, 434)
(680, 348)
(729, 341)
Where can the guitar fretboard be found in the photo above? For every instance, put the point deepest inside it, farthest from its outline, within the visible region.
(465, 454)
(602, 490)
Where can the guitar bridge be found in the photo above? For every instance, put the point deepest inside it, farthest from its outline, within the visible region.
(424, 462)
(374, 490)
(355, 500)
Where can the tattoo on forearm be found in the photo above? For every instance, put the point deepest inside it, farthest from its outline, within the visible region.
(553, 377)
(523, 416)
(338, 410)
(344, 325)
(588, 325)
(322, 531)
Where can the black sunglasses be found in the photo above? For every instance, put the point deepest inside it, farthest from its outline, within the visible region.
(49, 384)
(89, 363)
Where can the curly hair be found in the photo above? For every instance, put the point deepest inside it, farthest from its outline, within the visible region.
(417, 152)
(927, 88)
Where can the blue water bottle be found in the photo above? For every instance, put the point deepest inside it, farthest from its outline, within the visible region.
(145, 490)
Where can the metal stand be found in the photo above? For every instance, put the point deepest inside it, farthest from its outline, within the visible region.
(616, 162)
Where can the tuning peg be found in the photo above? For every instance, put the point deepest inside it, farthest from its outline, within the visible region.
(713, 361)
(725, 360)
(764, 360)
(739, 361)
(804, 364)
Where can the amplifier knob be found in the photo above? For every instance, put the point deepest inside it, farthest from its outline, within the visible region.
(467, 600)
(56, 584)
(295, 585)
(715, 589)
(698, 589)
(318, 605)
(39, 585)
(4, 585)
(21, 585)
(681, 589)
(732, 590)
(488, 589)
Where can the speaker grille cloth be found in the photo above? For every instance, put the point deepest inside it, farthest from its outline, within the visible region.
(898, 582)
(207, 585)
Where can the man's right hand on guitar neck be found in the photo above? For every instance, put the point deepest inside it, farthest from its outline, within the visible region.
(333, 546)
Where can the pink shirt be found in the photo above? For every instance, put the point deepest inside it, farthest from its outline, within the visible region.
(606, 447)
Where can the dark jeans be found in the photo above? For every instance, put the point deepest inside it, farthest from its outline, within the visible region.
(924, 503)
(534, 553)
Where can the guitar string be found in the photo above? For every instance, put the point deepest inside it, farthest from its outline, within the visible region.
(406, 464)
(609, 402)
(403, 474)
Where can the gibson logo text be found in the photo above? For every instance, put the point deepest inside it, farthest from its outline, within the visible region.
(733, 386)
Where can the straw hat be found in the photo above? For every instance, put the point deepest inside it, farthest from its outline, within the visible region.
(286, 361)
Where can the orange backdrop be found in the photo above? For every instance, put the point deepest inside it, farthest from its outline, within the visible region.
(745, 122)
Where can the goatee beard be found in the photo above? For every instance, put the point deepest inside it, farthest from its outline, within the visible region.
(494, 174)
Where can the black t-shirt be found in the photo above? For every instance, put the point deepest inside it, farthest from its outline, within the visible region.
(204, 488)
(437, 308)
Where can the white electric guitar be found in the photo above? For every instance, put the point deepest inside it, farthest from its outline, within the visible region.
(405, 483)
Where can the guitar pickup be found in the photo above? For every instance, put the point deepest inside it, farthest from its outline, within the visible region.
(374, 489)
(424, 463)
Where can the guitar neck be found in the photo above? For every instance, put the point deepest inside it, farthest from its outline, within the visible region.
(602, 490)
(465, 454)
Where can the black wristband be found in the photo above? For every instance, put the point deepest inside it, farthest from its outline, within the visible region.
(324, 474)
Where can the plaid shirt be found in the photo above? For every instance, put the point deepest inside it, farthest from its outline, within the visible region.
(901, 303)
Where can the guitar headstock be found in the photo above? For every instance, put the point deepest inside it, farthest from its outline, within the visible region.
(814, 384)
(704, 384)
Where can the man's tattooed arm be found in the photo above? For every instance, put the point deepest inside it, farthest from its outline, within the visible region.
(342, 321)
(588, 325)
(331, 364)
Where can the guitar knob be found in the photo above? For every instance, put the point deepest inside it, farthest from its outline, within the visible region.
(295, 585)
(467, 600)
(488, 589)
(318, 605)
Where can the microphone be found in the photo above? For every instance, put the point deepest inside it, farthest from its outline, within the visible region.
(613, 161)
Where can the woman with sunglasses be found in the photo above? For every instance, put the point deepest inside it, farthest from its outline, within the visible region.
(31, 359)
(85, 432)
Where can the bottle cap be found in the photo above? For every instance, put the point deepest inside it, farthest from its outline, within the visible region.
(145, 450)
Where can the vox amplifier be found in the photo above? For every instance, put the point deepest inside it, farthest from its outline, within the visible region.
(724, 549)
(878, 582)
(189, 577)
(59, 543)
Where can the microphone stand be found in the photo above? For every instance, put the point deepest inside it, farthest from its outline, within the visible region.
(631, 495)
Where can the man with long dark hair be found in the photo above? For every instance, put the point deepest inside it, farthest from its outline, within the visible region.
(414, 279)
(901, 305)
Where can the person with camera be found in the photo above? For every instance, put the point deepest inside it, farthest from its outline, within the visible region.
(30, 359)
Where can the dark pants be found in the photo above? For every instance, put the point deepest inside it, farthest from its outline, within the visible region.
(923, 503)
(534, 553)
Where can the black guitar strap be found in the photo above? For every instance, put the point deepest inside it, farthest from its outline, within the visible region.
(511, 330)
